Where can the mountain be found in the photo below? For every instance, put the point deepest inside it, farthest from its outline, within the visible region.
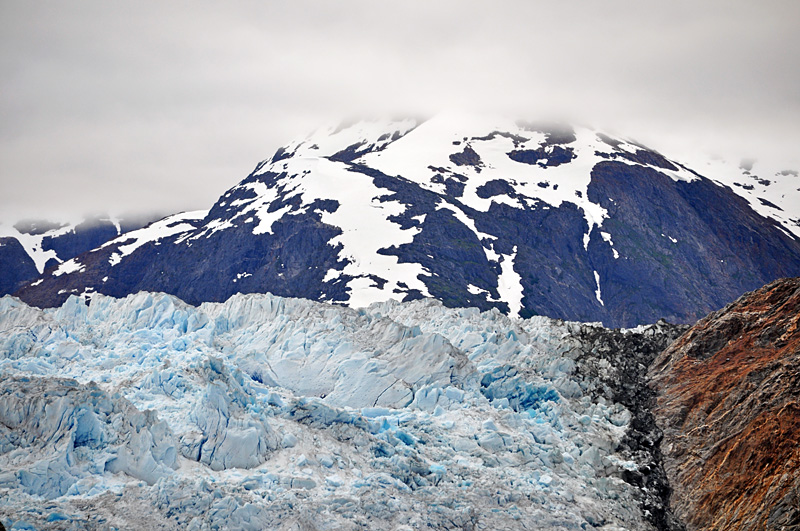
(29, 247)
(728, 405)
(532, 219)
(265, 412)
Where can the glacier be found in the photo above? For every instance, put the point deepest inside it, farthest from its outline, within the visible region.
(265, 412)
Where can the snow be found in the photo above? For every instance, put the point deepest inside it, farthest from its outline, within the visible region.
(266, 219)
(510, 284)
(70, 266)
(597, 293)
(331, 274)
(431, 144)
(259, 206)
(475, 290)
(362, 217)
(261, 407)
(364, 231)
(607, 237)
(32, 245)
(175, 224)
(329, 140)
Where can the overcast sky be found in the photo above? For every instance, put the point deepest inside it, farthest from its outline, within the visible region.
(162, 106)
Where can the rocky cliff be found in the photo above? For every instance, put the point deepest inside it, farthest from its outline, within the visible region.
(728, 401)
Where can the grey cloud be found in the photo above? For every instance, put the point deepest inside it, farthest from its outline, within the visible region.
(149, 105)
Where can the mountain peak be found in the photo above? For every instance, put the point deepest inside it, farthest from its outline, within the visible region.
(471, 209)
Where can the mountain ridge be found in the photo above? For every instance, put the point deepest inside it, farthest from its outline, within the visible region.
(565, 222)
(31, 246)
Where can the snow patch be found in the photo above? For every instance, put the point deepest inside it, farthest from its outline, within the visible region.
(510, 284)
(169, 226)
(69, 267)
(331, 274)
(32, 245)
(597, 293)
(364, 230)
(475, 290)
(267, 219)
(240, 276)
(607, 237)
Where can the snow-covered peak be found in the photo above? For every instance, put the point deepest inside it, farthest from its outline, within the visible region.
(473, 161)
(548, 163)
(474, 210)
(346, 140)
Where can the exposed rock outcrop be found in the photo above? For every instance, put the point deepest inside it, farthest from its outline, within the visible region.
(728, 401)
(616, 362)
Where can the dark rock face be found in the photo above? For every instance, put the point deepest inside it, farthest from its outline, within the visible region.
(467, 157)
(616, 363)
(16, 266)
(721, 247)
(729, 404)
(84, 237)
(546, 156)
(295, 267)
(493, 188)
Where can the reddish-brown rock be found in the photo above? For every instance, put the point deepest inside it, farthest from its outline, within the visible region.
(728, 401)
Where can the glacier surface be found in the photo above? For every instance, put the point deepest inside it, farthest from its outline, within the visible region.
(274, 413)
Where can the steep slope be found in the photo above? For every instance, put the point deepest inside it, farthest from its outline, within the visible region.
(473, 211)
(29, 247)
(729, 406)
(771, 190)
(16, 266)
(272, 413)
